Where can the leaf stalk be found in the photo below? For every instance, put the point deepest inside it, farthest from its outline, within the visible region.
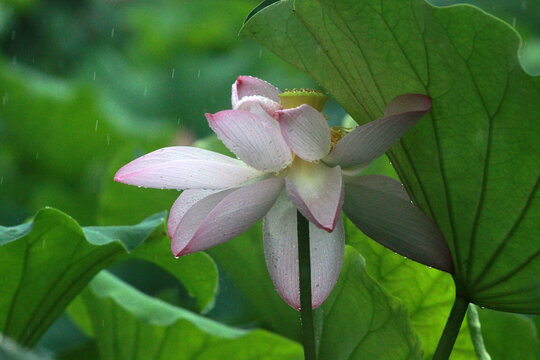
(451, 329)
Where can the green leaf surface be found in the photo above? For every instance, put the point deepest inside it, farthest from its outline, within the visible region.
(472, 163)
(47, 262)
(509, 336)
(378, 325)
(130, 325)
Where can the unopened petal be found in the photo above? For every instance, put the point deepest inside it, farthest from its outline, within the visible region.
(373, 139)
(224, 215)
(254, 137)
(397, 224)
(183, 167)
(317, 192)
(281, 254)
(249, 86)
(306, 131)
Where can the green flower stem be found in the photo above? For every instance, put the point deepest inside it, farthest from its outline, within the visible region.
(306, 312)
(451, 330)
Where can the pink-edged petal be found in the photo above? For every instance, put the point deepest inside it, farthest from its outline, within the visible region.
(327, 252)
(379, 182)
(281, 254)
(281, 251)
(183, 203)
(183, 167)
(224, 215)
(254, 137)
(306, 131)
(317, 192)
(249, 86)
(397, 224)
(248, 104)
(373, 139)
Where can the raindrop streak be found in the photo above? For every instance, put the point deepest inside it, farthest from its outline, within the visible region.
(260, 52)
(524, 5)
(172, 75)
(514, 21)
(112, 32)
(1, 180)
(37, 155)
(199, 74)
(97, 122)
(108, 139)
(94, 75)
(4, 99)
(145, 91)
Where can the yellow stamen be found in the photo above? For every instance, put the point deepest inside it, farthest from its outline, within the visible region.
(337, 133)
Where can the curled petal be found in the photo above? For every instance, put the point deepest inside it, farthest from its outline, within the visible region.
(397, 224)
(221, 216)
(373, 139)
(254, 137)
(249, 86)
(182, 167)
(248, 104)
(281, 254)
(380, 182)
(306, 131)
(317, 192)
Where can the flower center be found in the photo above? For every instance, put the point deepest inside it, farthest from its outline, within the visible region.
(337, 133)
(294, 98)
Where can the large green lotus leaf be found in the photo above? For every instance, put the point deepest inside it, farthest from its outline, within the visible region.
(360, 320)
(509, 336)
(128, 324)
(472, 163)
(47, 262)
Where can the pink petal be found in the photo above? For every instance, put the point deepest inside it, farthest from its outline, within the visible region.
(281, 254)
(306, 131)
(254, 137)
(182, 167)
(327, 251)
(398, 225)
(224, 215)
(249, 86)
(380, 182)
(317, 192)
(373, 139)
(185, 201)
(248, 104)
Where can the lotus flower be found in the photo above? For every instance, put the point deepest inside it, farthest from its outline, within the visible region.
(289, 159)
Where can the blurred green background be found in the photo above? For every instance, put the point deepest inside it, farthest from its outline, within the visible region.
(87, 85)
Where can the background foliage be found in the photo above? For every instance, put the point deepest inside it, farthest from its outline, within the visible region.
(87, 85)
